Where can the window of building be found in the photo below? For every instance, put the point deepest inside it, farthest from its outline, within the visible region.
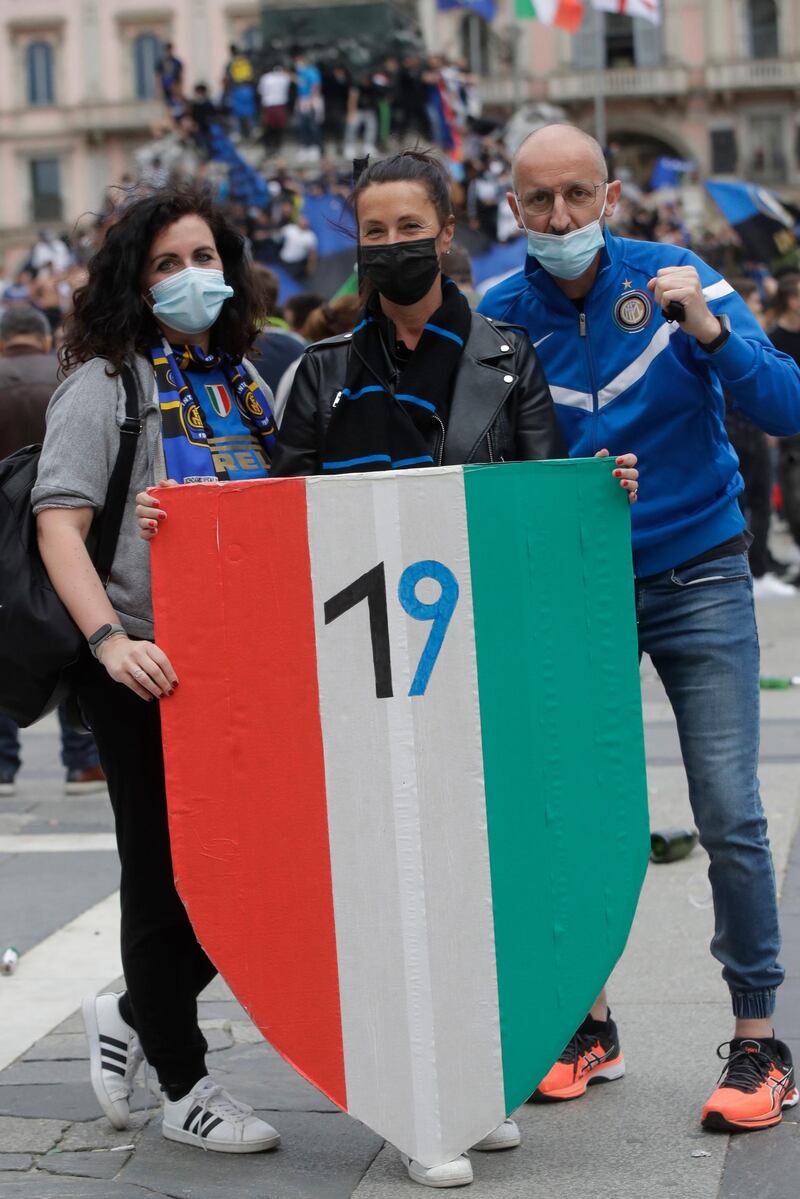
(766, 154)
(475, 43)
(250, 40)
(619, 43)
(146, 55)
(724, 153)
(614, 40)
(45, 180)
(762, 16)
(40, 74)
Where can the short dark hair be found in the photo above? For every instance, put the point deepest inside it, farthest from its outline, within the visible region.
(301, 306)
(457, 263)
(744, 286)
(411, 166)
(787, 290)
(269, 286)
(23, 320)
(110, 318)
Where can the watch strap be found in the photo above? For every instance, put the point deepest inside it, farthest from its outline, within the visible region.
(711, 347)
(102, 634)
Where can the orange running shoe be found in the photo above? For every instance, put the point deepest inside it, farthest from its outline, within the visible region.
(755, 1086)
(593, 1055)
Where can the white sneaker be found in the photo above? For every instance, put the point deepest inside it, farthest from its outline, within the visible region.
(115, 1055)
(505, 1136)
(208, 1116)
(771, 587)
(457, 1173)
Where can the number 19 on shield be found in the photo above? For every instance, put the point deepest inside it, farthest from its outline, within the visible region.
(371, 586)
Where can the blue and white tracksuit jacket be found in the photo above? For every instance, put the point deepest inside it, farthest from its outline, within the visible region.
(624, 378)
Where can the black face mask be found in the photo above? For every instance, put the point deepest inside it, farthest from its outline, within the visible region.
(403, 272)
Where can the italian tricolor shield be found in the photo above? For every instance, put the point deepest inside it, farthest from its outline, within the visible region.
(219, 398)
(405, 772)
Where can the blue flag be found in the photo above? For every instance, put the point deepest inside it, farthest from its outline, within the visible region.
(766, 226)
(484, 8)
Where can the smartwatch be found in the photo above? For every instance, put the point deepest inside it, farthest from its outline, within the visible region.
(711, 347)
(102, 634)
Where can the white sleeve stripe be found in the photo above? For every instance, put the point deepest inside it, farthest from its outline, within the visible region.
(636, 369)
(715, 291)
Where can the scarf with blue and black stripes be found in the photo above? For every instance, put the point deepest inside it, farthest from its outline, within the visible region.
(382, 420)
(183, 427)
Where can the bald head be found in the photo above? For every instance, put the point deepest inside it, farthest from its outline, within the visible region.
(560, 148)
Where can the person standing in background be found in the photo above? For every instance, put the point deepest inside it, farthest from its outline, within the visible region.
(309, 107)
(28, 378)
(752, 450)
(169, 71)
(274, 87)
(239, 89)
(299, 245)
(785, 336)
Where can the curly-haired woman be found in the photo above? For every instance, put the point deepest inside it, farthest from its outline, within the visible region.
(170, 296)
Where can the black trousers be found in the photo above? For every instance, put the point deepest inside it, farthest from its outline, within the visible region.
(165, 968)
(789, 476)
(756, 499)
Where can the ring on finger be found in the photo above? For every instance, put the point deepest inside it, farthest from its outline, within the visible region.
(138, 673)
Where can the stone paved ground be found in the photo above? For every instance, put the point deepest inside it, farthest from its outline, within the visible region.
(633, 1139)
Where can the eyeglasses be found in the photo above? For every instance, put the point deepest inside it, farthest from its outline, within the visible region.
(540, 200)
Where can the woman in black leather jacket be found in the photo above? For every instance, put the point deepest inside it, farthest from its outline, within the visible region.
(422, 380)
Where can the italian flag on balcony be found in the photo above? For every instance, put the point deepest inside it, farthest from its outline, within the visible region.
(566, 14)
(649, 9)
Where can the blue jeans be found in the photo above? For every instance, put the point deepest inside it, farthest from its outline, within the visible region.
(78, 750)
(308, 129)
(698, 626)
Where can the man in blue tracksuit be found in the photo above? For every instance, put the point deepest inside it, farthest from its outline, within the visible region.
(625, 376)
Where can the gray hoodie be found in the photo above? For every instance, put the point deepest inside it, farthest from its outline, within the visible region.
(79, 452)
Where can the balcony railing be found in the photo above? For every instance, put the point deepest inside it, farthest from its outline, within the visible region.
(123, 116)
(621, 82)
(126, 115)
(753, 73)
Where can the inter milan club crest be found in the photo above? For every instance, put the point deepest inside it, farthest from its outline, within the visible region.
(192, 421)
(220, 400)
(633, 310)
(253, 406)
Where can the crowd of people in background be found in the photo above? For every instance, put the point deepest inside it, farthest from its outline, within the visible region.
(301, 122)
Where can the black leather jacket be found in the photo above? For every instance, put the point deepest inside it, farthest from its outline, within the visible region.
(501, 409)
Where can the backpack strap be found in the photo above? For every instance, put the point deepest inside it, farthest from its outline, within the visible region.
(120, 481)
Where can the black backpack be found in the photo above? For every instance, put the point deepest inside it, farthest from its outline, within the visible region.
(39, 641)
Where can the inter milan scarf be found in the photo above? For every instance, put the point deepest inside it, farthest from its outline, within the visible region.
(377, 426)
(186, 450)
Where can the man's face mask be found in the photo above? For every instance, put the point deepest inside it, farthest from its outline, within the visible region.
(565, 255)
(402, 272)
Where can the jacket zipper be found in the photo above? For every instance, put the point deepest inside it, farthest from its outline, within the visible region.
(440, 446)
(583, 331)
(489, 442)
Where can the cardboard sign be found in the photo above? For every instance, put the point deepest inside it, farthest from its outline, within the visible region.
(405, 770)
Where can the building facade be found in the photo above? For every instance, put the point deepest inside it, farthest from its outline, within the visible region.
(718, 83)
(78, 92)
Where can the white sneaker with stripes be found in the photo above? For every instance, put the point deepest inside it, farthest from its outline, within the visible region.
(115, 1055)
(211, 1118)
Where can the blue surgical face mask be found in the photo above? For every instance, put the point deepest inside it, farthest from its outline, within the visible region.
(566, 255)
(191, 300)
